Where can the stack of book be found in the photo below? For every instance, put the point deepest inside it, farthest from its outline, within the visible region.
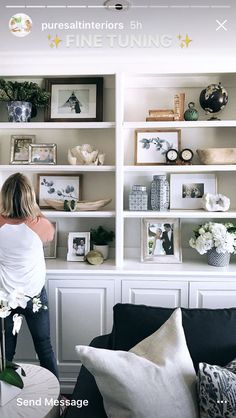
(179, 106)
(160, 115)
(156, 115)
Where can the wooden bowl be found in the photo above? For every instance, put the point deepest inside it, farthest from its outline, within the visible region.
(217, 155)
(80, 206)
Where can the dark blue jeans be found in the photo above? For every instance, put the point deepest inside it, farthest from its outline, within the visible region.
(39, 327)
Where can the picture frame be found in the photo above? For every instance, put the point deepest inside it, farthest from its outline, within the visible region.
(186, 191)
(50, 248)
(45, 154)
(19, 152)
(151, 145)
(78, 246)
(160, 241)
(74, 99)
(57, 187)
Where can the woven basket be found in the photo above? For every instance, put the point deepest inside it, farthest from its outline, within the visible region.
(217, 260)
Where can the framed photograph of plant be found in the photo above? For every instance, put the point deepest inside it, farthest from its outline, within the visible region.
(43, 154)
(78, 246)
(151, 145)
(75, 99)
(57, 187)
(186, 192)
(20, 148)
(50, 248)
(160, 241)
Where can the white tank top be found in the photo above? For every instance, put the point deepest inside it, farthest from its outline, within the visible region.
(22, 261)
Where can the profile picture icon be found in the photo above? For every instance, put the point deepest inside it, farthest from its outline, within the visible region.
(20, 25)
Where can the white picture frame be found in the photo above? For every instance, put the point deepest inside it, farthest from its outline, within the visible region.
(78, 246)
(161, 241)
(187, 190)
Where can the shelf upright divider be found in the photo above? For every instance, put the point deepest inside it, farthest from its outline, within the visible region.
(119, 86)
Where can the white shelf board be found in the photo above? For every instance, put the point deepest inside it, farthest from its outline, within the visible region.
(133, 268)
(57, 125)
(60, 266)
(179, 168)
(184, 214)
(198, 268)
(57, 168)
(181, 124)
(82, 214)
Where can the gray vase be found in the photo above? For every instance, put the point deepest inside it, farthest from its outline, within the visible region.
(160, 193)
(217, 259)
(19, 111)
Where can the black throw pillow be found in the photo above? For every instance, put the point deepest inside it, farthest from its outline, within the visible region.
(210, 333)
(217, 390)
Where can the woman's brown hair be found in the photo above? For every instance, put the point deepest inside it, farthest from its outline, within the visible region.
(18, 198)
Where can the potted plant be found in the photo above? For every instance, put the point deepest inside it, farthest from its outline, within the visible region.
(216, 240)
(22, 99)
(11, 382)
(100, 238)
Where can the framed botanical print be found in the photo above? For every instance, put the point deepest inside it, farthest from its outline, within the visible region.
(20, 148)
(78, 246)
(187, 190)
(50, 248)
(57, 187)
(151, 145)
(160, 241)
(75, 99)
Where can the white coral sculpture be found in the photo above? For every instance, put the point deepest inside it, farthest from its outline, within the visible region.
(85, 154)
(215, 202)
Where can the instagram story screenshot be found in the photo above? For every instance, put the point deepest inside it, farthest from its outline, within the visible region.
(117, 209)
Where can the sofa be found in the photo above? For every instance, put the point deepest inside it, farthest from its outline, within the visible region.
(210, 336)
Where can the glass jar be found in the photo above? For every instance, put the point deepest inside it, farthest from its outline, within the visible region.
(138, 198)
(160, 193)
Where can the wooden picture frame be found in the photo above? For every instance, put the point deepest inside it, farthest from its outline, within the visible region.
(156, 244)
(19, 153)
(151, 145)
(74, 99)
(50, 248)
(57, 187)
(78, 246)
(43, 154)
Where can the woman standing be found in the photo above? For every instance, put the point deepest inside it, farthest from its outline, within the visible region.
(23, 229)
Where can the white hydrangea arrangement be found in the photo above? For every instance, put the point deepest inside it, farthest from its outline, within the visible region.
(222, 237)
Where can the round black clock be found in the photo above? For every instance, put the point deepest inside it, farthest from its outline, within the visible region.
(186, 155)
(171, 156)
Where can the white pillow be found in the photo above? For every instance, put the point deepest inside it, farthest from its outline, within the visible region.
(156, 379)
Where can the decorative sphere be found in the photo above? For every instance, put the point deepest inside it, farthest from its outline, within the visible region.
(94, 257)
(214, 98)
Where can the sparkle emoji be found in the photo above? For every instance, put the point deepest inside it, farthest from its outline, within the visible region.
(184, 42)
(54, 42)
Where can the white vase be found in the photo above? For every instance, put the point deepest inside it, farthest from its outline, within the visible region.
(103, 249)
(7, 393)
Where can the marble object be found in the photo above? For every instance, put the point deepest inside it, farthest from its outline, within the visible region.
(95, 258)
(217, 155)
(39, 385)
(85, 154)
(215, 202)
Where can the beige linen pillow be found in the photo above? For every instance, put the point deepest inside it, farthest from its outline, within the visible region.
(155, 379)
